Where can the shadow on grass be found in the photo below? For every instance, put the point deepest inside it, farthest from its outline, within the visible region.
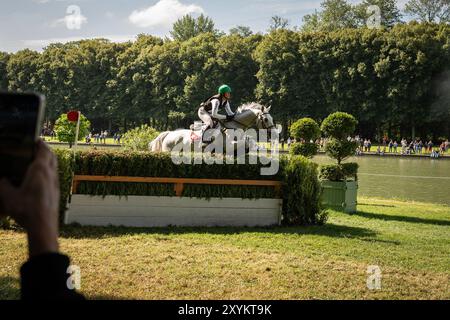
(9, 288)
(328, 230)
(386, 217)
(377, 205)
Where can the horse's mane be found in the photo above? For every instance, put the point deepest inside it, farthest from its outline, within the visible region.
(250, 106)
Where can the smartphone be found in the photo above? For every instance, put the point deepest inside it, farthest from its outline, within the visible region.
(20, 126)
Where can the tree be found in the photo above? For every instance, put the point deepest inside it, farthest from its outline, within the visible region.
(242, 31)
(311, 22)
(335, 14)
(22, 71)
(139, 138)
(429, 10)
(4, 57)
(277, 23)
(390, 14)
(188, 27)
(66, 130)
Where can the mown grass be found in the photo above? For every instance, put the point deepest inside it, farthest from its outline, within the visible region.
(410, 242)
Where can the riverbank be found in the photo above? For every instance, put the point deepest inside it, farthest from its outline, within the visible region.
(408, 241)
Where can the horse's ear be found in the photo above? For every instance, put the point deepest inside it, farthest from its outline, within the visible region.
(268, 109)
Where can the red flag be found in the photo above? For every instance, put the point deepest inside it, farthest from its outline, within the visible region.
(72, 116)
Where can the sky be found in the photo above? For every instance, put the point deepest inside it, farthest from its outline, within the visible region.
(34, 24)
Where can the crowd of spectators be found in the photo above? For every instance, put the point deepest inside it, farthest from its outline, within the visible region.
(391, 146)
(102, 136)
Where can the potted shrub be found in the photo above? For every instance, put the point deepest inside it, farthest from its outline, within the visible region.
(305, 131)
(339, 181)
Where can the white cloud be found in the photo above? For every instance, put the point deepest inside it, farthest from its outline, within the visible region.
(163, 14)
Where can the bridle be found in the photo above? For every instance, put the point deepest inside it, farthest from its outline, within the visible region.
(261, 120)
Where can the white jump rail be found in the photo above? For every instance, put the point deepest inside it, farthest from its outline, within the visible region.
(146, 211)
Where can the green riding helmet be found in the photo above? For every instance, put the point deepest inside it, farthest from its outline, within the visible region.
(224, 89)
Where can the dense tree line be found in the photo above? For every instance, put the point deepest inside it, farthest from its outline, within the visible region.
(390, 79)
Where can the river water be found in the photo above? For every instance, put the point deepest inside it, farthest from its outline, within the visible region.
(417, 179)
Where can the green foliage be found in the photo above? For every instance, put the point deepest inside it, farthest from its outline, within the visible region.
(332, 172)
(339, 125)
(307, 150)
(4, 57)
(350, 170)
(340, 149)
(339, 172)
(189, 27)
(335, 15)
(429, 10)
(66, 130)
(242, 31)
(65, 173)
(278, 23)
(301, 193)
(389, 79)
(306, 129)
(139, 138)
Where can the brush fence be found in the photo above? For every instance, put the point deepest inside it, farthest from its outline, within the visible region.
(146, 211)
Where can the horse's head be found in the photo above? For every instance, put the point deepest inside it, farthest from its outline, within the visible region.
(253, 113)
(265, 120)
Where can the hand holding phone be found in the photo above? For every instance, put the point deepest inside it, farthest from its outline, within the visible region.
(20, 125)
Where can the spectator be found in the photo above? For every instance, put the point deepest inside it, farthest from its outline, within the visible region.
(35, 206)
(395, 146)
(430, 146)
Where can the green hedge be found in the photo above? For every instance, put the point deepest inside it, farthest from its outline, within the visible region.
(65, 172)
(301, 193)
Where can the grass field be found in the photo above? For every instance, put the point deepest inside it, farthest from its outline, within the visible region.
(410, 242)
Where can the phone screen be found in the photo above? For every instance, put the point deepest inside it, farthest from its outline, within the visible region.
(20, 117)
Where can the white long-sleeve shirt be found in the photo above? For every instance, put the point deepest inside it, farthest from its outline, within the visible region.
(215, 110)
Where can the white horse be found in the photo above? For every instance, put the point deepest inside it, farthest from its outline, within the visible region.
(247, 116)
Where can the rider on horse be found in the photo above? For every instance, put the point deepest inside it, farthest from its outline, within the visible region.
(209, 110)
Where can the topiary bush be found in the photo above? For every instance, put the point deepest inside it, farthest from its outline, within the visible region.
(340, 149)
(339, 125)
(307, 150)
(307, 131)
(339, 172)
(139, 138)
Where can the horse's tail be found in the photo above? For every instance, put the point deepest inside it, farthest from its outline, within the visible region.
(156, 145)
